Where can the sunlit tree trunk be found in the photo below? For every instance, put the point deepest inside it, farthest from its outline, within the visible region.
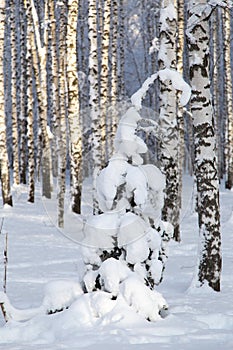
(206, 172)
(228, 89)
(73, 108)
(4, 162)
(167, 118)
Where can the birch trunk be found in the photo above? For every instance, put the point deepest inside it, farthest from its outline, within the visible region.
(62, 113)
(4, 162)
(94, 98)
(121, 69)
(14, 125)
(30, 130)
(180, 117)
(41, 83)
(112, 112)
(167, 119)
(23, 98)
(229, 107)
(206, 172)
(104, 77)
(74, 108)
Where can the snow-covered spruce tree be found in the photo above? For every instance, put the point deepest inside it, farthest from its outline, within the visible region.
(122, 247)
(206, 169)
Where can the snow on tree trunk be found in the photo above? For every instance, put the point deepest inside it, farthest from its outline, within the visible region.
(206, 172)
(228, 89)
(4, 162)
(168, 152)
(73, 108)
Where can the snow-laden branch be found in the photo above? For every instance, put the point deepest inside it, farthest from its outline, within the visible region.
(165, 74)
(200, 12)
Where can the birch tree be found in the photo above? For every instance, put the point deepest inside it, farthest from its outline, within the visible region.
(73, 108)
(62, 113)
(4, 162)
(14, 119)
(93, 95)
(39, 55)
(229, 106)
(206, 172)
(121, 55)
(167, 118)
(23, 97)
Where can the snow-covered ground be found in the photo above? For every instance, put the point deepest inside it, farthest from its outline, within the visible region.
(38, 253)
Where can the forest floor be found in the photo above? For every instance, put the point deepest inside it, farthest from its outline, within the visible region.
(39, 253)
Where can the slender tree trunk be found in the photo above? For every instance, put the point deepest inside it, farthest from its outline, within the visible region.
(180, 117)
(229, 106)
(121, 69)
(4, 162)
(94, 98)
(15, 140)
(74, 108)
(63, 112)
(206, 171)
(41, 44)
(168, 120)
(30, 131)
(23, 98)
(104, 76)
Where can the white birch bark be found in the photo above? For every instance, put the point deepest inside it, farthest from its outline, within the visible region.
(4, 162)
(23, 99)
(94, 98)
(41, 82)
(121, 69)
(14, 124)
(30, 130)
(167, 118)
(206, 172)
(180, 118)
(74, 108)
(229, 106)
(104, 76)
(62, 113)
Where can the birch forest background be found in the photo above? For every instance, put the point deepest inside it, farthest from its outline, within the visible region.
(67, 72)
